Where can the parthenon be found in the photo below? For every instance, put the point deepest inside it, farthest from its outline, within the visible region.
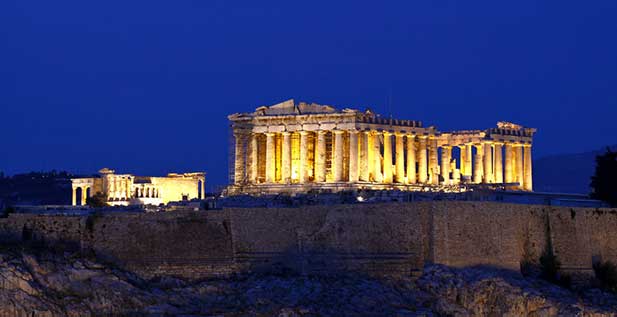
(291, 147)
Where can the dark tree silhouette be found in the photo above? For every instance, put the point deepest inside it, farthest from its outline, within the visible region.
(97, 201)
(604, 181)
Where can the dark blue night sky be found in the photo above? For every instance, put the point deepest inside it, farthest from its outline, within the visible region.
(145, 86)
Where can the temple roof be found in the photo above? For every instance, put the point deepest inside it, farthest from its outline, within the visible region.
(290, 108)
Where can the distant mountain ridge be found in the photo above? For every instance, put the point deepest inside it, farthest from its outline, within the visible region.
(566, 173)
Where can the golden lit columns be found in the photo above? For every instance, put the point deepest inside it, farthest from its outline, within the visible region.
(509, 162)
(433, 161)
(527, 181)
(303, 157)
(387, 157)
(365, 158)
(399, 176)
(320, 157)
(74, 196)
(270, 158)
(468, 161)
(411, 159)
(253, 159)
(239, 171)
(498, 163)
(376, 153)
(488, 163)
(422, 160)
(286, 157)
(518, 159)
(478, 171)
(446, 157)
(353, 156)
(337, 156)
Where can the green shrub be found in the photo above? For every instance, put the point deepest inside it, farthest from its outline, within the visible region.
(606, 273)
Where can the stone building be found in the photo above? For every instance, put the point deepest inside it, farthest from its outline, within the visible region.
(291, 147)
(128, 189)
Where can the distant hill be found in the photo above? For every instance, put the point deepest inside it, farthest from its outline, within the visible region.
(565, 173)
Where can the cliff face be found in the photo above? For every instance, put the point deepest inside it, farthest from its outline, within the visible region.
(48, 284)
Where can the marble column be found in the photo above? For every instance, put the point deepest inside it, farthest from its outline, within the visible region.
(399, 177)
(518, 153)
(83, 195)
(270, 158)
(463, 158)
(498, 163)
(488, 163)
(74, 196)
(254, 157)
(364, 157)
(468, 161)
(478, 171)
(422, 160)
(239, 170)
(286, 158)
(203, 188)
(377, 174)
(353, 156)
(320, 157)
(527, 181)
(446, 157)
(303, 170)
(387, 157)
(411, 159)
(433, 166)
(337, 156)
(509, 164)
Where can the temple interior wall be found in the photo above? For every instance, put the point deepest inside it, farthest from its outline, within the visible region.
(172, 189)
(391, 239)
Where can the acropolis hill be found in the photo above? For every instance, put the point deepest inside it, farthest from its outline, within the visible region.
(291, 147)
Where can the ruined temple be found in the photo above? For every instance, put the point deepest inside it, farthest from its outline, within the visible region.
(128, 189)
(291, 147)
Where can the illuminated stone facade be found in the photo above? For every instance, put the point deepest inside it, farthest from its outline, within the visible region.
(127, 189)
(292, 147)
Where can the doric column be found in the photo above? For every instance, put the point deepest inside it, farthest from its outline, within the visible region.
(270, 158)
(498, 163)
(377, 175)
(446, 157)
(254, 157)
(83, 195)
(364, 157)
(488, 163)
(468, 161)
(433, 166)
(387, 157)
(478, 172)
(74, 196)
(411, 159)
(400, 158)
(527, 181)
(320, 157)
(463, 158)
(303, 170)
(422, 160)
(337, 157)
(353, 156)
(203, 188)
(239, 170)
(518, 153)
(509, 162)
(370, 155)
(286, 158)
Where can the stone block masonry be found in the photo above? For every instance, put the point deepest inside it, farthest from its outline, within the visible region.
(378, 239)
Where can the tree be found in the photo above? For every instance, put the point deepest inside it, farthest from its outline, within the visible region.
(98, 200)
(604, 181)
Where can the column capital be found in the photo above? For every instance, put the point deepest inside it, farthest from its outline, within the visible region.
(270, 133)
(399, 133)
(446, 146)
(338, 131)
(353, 131)
(387, 133)
(304, 132)
(286, 133)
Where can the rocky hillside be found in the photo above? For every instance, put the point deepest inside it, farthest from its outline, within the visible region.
(49, 284)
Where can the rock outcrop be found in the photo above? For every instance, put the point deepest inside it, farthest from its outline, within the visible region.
(48, 284)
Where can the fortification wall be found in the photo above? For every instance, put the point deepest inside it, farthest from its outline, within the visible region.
(391, 239)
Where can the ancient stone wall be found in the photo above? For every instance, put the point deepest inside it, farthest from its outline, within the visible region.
(390, 239)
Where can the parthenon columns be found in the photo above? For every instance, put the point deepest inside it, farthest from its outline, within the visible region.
(240, 154)
(270, 158)
(478, 170)
(286, 158)
(377, 175)
(320, 157)
(446, 157)
(433, 162)
(353, 156)
(518, 153)
(365, 161)
(387, 157)
(422, 160)
(399, 176)
(411, 160)
(253, 159)
(527, 181)
(488, 163)
(498, 163)
(337, 157)
(303, 170)
(509, 161)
